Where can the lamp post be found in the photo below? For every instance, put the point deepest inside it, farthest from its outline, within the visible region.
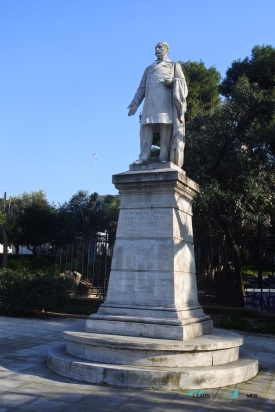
(95, 159)
(260, 261)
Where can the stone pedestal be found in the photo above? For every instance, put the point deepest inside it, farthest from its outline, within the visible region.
(152, 290)
(151, 332)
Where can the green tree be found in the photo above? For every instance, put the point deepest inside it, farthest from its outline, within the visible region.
(259, 69)
(14, 229)
(36, 221)
(109, 212)
(5, 213)
(89, 213)
(229, 154)
(79, 213)
(203, 88)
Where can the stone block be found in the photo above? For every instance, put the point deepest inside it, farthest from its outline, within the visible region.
(141, 328)
(151, 289)
(153, 254)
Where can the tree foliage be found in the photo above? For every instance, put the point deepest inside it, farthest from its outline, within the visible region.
(259, 69)
(30, 220)
(230, 155)
(77, 215)
(259, 72)
(203, 88)
(89, 213)
(5, 215)
(109, 213)
(35, 222)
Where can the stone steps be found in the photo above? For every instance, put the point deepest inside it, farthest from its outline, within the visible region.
(207, 350)
(211, 360)
(152, 377)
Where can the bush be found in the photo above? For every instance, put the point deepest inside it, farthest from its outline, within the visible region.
(22, 292)
(268, 328)
(234, 323)
(30, 263)
(20, 264)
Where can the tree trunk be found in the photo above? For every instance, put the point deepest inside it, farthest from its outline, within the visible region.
(16, 249)
(238, 273)
(237, 261)
(5, 246)
(222, 284)
(33, 250)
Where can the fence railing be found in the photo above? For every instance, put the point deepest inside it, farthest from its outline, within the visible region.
(88, 259)
(239, 273)
(236, 273)
(228, 273)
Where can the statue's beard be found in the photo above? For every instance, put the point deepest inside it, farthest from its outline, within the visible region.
(161, 56)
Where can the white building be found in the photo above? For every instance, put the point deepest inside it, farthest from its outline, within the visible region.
(10, 249)
(23, 250)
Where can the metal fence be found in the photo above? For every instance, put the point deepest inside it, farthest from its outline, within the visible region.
(236, 273)
(88, 259)
(228, 274)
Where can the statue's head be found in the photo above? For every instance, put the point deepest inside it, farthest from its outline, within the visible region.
(162, 50)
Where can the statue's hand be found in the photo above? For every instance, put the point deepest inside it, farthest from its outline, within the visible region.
(168, 81)
(132, 108)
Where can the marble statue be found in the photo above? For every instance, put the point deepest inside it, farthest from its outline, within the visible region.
(151, 331)
(164, 90)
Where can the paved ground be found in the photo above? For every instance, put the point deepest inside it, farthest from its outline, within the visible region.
(26, 384)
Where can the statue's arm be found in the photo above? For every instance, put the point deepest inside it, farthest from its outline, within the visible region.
(139, 96)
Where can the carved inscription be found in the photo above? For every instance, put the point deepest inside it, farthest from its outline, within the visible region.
(140, 220)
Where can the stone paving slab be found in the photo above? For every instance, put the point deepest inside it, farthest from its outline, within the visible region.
(26, 384)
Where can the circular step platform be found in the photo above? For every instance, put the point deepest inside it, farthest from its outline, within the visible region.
(207, 361)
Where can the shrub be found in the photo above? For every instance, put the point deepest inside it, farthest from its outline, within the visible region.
(234, 323)
(20, 264)
(22, 292)
(268, 328)
(30, 263)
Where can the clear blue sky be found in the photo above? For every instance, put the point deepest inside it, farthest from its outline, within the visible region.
(69, 69)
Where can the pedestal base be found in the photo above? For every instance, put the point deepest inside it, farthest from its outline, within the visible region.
(152, 290)
(150, 328)
(209, 361)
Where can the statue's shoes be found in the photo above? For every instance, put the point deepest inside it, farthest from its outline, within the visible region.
(139, 162)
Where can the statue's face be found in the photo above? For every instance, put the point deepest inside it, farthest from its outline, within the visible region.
(161, 51)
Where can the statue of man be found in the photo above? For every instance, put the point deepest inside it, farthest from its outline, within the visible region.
(164, 89)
